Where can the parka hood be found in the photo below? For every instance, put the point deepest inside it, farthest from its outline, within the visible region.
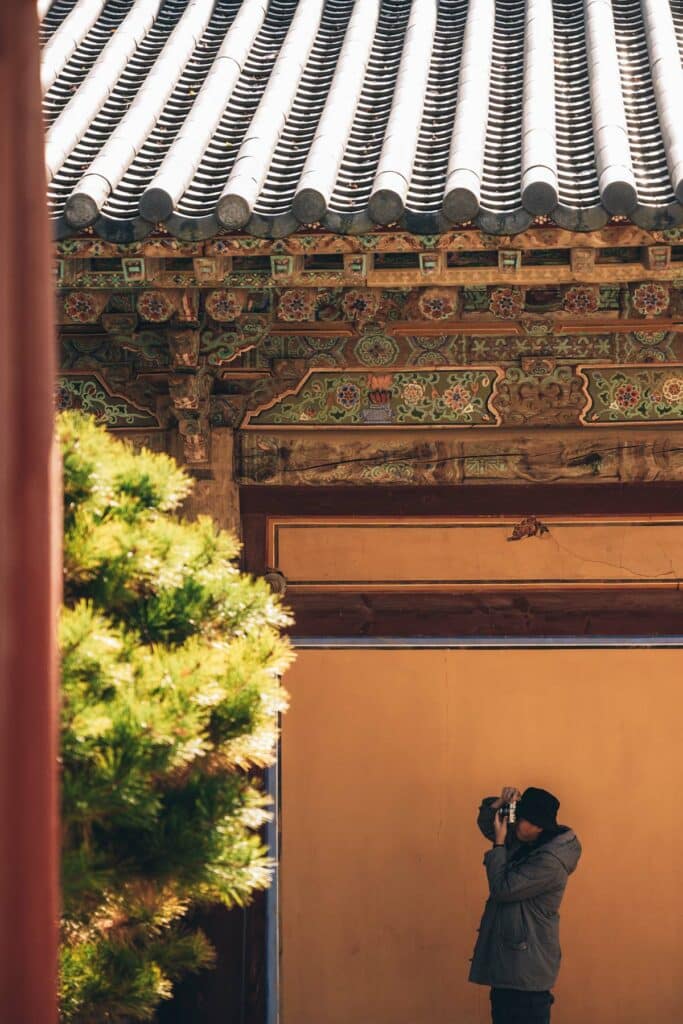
(566, 847)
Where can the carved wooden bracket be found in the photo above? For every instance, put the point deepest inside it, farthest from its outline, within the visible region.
(184, 348)
(196, 434)
(190, 391)
(190, 398)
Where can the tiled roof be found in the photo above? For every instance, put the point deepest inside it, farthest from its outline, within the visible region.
(269, 114)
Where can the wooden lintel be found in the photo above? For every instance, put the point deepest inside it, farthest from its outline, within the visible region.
(580, 613)
(256, 503)
(565, 460)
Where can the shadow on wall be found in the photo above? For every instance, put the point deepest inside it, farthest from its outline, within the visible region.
(214, 996)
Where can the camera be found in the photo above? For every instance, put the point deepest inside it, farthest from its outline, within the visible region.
(509, 811)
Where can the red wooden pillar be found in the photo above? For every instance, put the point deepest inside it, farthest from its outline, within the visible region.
(28, 541)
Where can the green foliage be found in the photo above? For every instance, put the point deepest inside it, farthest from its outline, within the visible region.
(170, 678)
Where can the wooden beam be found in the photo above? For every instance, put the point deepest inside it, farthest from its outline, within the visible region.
(495, 613)
(544, 499)
(563, 460)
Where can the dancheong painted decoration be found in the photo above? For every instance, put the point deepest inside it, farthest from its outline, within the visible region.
(290, 219)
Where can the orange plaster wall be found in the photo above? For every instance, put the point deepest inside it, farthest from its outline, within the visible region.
(385, 755)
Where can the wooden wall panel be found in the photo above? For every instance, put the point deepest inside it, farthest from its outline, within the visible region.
(331, 553)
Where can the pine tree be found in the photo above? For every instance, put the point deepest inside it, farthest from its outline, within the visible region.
(170, 692)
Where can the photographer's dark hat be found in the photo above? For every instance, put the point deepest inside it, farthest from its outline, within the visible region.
(539, 807)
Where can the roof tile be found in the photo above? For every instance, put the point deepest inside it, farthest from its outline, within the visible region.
(269, 114)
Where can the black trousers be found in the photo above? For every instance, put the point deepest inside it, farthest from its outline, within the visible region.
(511, 1006)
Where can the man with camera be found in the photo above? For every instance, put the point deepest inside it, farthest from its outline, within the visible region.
(518, 950)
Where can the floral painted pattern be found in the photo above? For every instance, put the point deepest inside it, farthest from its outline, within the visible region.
(81, 306)
(506, 303)
(672, 390)
(376, 350)
(348, 395)
(437, 304)
(413, 392)
(459, 397)
(651, 299)
(224, 305)
(297, 304)
(155, 306)
(641, 394)
(581, 300)
(626, 396)
(360, 304)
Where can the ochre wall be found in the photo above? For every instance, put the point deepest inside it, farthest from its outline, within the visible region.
(385, 755)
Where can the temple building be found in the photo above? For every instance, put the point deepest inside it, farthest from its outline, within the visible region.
(401, 284)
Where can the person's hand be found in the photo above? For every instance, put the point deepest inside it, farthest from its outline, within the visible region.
(508, 795)
(500, 827)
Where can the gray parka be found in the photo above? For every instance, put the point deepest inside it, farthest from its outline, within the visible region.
(518, 944)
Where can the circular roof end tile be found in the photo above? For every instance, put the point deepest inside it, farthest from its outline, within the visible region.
(232, 211)
(619, 197)
(309, 206)
(460, 205)
(385, 206)
(81, 210)
(540, 196)
(156, 205)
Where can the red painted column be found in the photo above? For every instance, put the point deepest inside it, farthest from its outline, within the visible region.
(28, 541)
